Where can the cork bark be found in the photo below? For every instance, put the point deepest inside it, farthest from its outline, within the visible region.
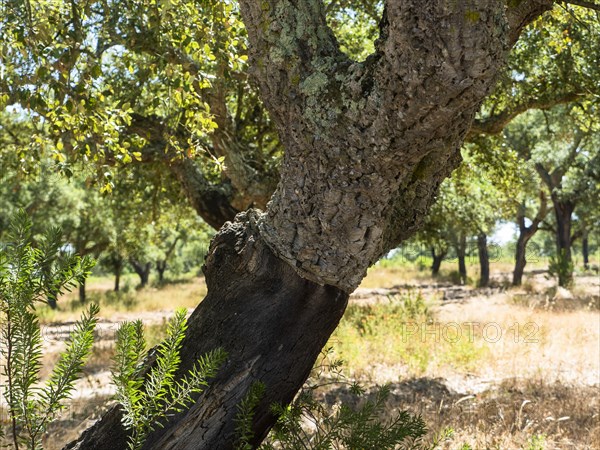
(367, 144)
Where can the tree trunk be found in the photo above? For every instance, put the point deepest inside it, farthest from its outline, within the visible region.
(142, 270)
(484, 260)
(117, 266)
(82, 296)
(271, 322)
(437, 260)
(525, 234)
(51, 302)
(366, 148)
(563, 211)
(585, 250)
(520, 259)
(461, 253)
(161, 266)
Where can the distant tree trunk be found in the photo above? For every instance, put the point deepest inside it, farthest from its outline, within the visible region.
(461, 253)
(585, 250)
(484, 260)
(142, 270)
(82, 296)
(366, 148)
(520, 259)
(525, 234)
(51, 302)
(117, 263)
(117, 287)
(438, 257)
(563, 211)
(161, 266)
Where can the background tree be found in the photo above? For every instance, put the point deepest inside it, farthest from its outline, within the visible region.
(562, 149)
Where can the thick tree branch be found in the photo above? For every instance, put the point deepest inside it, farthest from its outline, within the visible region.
(589, 5)
(542, 211)
(545, 176)
(293, 51)
(213, 202)
(254, 187)
(522, 13)
(495, 124)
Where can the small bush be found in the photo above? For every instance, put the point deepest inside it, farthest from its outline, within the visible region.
(309, 423)
(147, 397)
(31, 273)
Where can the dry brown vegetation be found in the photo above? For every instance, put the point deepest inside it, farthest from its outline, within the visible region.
(503, 368)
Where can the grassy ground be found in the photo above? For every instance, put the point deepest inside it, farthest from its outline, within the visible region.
(504, 369)
(185, 292)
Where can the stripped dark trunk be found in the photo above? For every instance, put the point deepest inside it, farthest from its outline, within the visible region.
(117, 263)
(520, 259)
(563, 211)
(484, 260)
(161, 266)
(525, 234)
(248, 287)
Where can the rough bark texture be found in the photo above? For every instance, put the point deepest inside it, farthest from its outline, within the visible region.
(367, 145)
(484, 260)
(271, 322)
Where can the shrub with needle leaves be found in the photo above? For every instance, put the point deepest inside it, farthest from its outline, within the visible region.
(33, 272)
(147, 397)
(309, 423)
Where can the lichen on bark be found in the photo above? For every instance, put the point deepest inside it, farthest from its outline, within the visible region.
(367, 144)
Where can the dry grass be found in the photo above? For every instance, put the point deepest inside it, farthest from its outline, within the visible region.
(533, 388)
(515, 414)
(525, 373)
(185, 293)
